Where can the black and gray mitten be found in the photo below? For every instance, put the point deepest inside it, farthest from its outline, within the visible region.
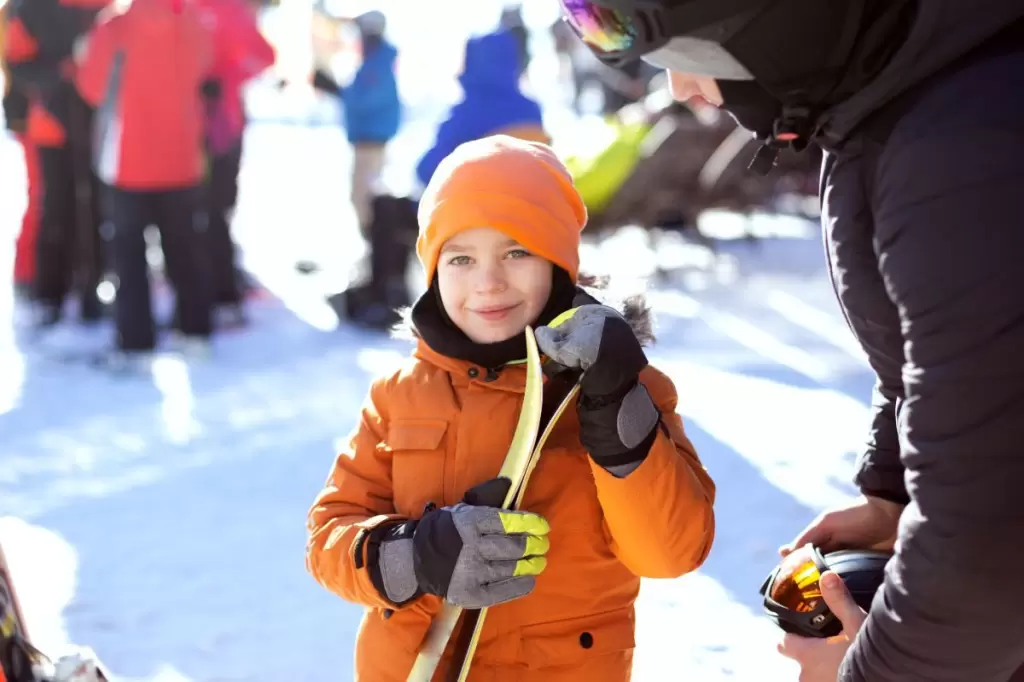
(618, 419)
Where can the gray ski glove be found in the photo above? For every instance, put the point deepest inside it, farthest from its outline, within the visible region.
(472, 554)
(618, 419)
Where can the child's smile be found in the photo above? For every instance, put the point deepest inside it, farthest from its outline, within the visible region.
(495, 313)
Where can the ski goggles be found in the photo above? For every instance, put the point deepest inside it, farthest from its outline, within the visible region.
(792, 595)
(685, 39)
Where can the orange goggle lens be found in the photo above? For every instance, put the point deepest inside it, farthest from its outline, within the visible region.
(796, 585)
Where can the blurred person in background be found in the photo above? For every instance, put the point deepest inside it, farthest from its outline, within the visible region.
(40, 38)
(492, 103)
(146, 69)
(16, 107)
(240, 53)
(576, 62)
(371, 109)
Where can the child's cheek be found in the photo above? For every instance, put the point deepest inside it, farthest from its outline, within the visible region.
(452, 284)
(534, 277)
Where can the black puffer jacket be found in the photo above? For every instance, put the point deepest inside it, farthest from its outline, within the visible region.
(925, 240)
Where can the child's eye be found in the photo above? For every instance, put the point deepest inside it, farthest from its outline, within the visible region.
(519, 253)
(459, 260)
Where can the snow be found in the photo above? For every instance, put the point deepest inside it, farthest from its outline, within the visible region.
(160, 519)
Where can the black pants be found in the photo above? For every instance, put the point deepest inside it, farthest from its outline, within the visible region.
(185, 257)
(69, 252)
(221, 194)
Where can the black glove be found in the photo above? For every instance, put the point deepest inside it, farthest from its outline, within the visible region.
(473, 554)
(618, 419)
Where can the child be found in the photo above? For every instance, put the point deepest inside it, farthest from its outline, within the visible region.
(618, 494)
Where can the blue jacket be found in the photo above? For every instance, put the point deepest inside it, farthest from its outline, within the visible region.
(491, 99)
(370, 104)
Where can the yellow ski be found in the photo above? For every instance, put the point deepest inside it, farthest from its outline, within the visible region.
(515, 468)
(559, 392)
(477, 623)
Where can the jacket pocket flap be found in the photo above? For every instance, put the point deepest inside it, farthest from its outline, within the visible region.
(420, 434)
(568, 641)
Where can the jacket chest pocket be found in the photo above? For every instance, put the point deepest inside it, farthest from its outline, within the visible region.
(417, 463)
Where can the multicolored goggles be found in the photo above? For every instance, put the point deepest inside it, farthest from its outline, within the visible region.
(685, 39)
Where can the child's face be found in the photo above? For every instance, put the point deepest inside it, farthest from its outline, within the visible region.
(491, 286)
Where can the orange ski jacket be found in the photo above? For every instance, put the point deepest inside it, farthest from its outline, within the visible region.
(438, 427)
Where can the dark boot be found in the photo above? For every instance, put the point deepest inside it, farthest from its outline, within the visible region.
(364, 309)
(392, 238)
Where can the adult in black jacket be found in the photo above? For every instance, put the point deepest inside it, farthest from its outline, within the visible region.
(919, 107)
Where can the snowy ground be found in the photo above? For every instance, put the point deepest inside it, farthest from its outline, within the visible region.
(160, 520)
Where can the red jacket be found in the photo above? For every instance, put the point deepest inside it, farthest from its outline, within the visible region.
(143, 70)
(240, 53)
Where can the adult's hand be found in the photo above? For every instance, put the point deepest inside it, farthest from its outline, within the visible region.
(819, 659)
(866, 523)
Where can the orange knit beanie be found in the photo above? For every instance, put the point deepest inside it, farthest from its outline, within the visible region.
(519, 188)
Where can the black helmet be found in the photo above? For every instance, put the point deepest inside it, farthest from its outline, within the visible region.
(779, 63)
(792, 596)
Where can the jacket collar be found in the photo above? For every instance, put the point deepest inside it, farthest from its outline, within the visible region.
(510, 377)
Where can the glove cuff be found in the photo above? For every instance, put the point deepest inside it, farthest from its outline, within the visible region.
(618, 435)
(437, 545)
(389, 559)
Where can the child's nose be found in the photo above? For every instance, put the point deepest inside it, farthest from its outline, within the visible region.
(490, 278)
